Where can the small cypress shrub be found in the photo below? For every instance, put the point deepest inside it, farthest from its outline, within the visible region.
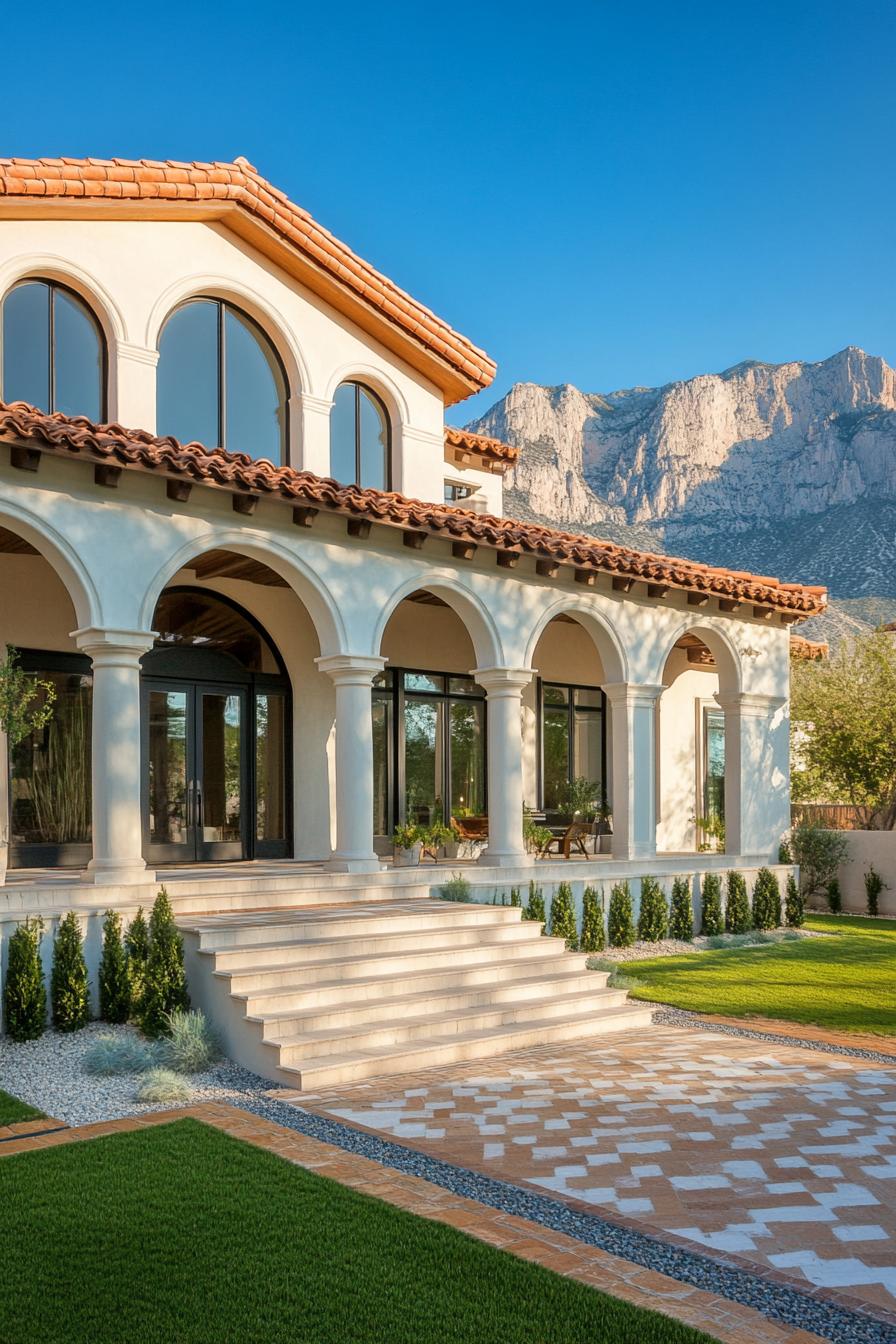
(136, 946)
(69, 995)
(563, 917)
(711, 922)
(785, 853)
(653, 915)
(25, 997)
(593, 937)
(115, 991)
(737, 905)
(166, 982)
(535, 909)
(794, 911)
(835, 899)
(766, 900)
(874, 885)
(515, 898)
(681, 916)
(620, 923)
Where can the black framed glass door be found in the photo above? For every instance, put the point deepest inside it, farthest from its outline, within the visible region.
(197, 778)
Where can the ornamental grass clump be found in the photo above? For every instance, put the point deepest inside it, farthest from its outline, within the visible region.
(653, 915)
(166, 981)
(535, 909)
(835, 897)
(593, 937)
(620, 922)
(737, 905)
(136, 947)
(123, 1052)
(69, 994)
(766, 900)
(874, 885)
(794, 908)
(712, 922)
(24, 995)
(115, 990)
(192, 1046)
(563, 917)
(160, 1084)
(681, 915)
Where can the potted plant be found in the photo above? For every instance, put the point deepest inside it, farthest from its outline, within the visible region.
(603, 826)
(451, 845)
(439, 838)
(26, 706)
(407, 842)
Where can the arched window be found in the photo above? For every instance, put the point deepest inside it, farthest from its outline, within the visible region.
(360, 450)
(220, 382)
(54, 355)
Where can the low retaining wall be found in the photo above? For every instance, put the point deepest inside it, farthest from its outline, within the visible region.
(868, 849)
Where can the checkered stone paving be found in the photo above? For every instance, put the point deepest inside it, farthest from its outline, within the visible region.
(781, 1159)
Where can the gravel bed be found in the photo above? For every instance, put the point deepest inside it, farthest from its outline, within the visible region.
(48, 1073)
(675, 947)
(679, 1017)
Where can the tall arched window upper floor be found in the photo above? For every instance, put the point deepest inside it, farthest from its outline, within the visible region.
(54, 351)
(360, 438)
(220, 381)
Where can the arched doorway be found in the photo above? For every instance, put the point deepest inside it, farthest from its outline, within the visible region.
(216, 734)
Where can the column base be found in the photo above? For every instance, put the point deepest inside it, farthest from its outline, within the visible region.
(112, 873)
(496, 859)
(339, 863)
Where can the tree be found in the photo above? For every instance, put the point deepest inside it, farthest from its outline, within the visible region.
(166, 981)
(535, 909)
(24, 996)
(681, 916)
(819, 853)
(69, 994)
(712, 922)
(115, 990)
(843, 722)
(593, 937)
(874, 885)
(136, 946)
(766, 900)
(563, 917)
(794, 912)
(653, 915)
(620, 924)
(737, 905)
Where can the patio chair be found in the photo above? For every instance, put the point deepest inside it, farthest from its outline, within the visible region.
(573, 835)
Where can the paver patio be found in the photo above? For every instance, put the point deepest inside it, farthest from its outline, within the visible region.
(780, 1159)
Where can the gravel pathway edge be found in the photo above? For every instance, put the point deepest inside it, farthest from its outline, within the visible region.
(679, 1017)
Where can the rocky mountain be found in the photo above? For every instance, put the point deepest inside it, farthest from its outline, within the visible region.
(785, 469)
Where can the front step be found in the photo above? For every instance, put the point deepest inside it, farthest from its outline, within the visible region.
(327, 995)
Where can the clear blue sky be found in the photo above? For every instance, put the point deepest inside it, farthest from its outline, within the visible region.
(602, 194)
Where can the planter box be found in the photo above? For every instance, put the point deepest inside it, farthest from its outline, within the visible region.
(407, 858)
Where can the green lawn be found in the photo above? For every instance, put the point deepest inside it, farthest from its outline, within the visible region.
(179, 1233)
(12, 1110)
(845, 982)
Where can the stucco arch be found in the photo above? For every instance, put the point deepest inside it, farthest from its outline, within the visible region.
(606, 641)
(475, 616)
(308, 587)
(388, 391)
(271, 322)
(60, 555)
(49, 266)
(718, 641)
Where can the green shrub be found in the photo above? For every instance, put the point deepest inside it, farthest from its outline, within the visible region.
(69, 995)
(115, 991)
(164, 1085)
(124, 1052)
(874, 885)
(681, 916)
(192, 1045)
(563, 917)
(457, 888)
(653, 913)
(136, 946)
(24, 996)
(835, 899)
(166, 982)
(593, 937)
(819, 853)
(766, 900)
(794, 911)
(535, 909)
(711, 920)
(785, 853)
(620, 923)
(737, 905)
(616, 977)
(515, 898)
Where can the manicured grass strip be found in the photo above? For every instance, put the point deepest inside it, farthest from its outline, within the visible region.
(12, 1111)
(846, 982)
(181, 1233)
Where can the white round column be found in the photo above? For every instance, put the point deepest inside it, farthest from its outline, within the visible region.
(116, 752)
(352, 675)
(504, 688)
(634, 746)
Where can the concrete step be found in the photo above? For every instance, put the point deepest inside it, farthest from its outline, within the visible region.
(331, 1070)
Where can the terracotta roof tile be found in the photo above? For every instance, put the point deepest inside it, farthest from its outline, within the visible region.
(241, 183)
(134, 448)
(808, 649)
(480, 445)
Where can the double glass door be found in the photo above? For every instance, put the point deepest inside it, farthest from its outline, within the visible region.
(197, 778)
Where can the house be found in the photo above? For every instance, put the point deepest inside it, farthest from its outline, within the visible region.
(277, 595)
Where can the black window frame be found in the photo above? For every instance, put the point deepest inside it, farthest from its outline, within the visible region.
(53, 287)
(223, 305)
(360, 387)
(570, 688)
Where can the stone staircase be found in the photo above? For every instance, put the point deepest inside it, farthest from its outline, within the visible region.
(315, 996)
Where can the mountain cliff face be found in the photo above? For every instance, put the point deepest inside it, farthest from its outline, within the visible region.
(782, 468)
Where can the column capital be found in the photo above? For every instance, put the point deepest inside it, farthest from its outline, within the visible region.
(114, 648)
(749, 704)
(509, 681)
(351, 669)
(322, 405)
(631, 693)
(138, 354)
